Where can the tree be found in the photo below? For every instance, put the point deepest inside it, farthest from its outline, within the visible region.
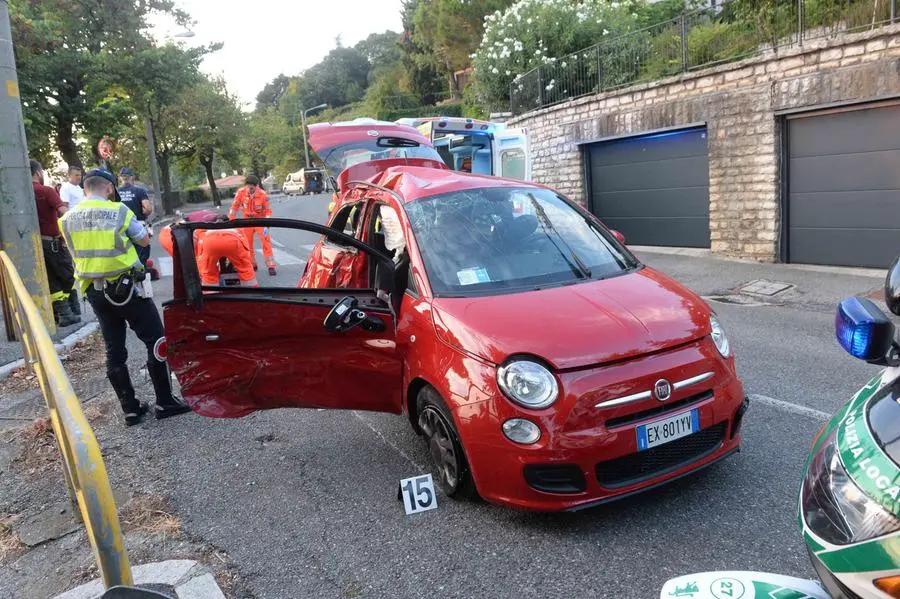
(451, 30)
(155, 79)
(383, 52)
(58, 48)
(271, 94)
(341, 78)
(210, 124)
(424, 79)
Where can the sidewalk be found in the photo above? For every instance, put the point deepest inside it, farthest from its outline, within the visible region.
(818, 288)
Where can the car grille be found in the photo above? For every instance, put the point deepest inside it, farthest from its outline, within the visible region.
(659, 410)
(636, 467)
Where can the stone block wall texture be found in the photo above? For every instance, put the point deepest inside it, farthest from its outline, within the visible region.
(740, 103)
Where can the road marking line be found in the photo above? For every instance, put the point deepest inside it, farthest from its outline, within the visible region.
(388, 443)
(308, 248)
(790, 407)
(282, 257)
(278, 244)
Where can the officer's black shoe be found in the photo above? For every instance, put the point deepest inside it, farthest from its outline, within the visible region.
(135, 416)
(62, 312)
(272, 271)
(173, 409)
(74, 303)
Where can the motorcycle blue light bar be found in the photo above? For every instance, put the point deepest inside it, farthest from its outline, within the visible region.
(862, 329)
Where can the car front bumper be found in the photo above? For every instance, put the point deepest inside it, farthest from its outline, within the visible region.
(588, 455)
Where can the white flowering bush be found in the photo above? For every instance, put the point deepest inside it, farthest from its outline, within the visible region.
(531, 33)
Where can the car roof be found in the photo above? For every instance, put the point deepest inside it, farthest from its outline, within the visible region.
(323, 136)
(415, 182)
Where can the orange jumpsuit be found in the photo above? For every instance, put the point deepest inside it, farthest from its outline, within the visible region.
(216, 244)
(256, 206)
(210, 246)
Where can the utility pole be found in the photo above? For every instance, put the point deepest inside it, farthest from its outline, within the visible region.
(19, 233)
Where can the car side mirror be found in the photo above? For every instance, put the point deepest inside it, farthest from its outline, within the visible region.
(892, 287)
(618, 235)
(346, 315)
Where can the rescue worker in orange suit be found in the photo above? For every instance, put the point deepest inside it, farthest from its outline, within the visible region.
(253, 202)
(211, 246)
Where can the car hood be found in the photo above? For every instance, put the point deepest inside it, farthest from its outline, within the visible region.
(576, 325)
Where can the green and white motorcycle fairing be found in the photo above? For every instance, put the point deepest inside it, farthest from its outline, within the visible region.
(864, 483)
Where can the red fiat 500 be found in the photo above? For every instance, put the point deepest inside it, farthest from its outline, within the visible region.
(545, 366)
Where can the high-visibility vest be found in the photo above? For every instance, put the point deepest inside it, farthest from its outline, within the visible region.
(95, 232)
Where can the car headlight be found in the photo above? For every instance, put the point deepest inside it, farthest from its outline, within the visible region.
(528, 383)
(718, 336)
(834, 508)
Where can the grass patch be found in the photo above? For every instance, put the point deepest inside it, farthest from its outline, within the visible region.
(149, 513)
(10, 545)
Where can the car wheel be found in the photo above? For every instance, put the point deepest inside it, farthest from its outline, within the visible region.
(452, 472)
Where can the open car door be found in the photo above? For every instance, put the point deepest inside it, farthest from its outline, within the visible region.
(236, 350)
(512, 154)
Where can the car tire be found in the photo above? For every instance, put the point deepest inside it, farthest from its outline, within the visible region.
(452, 473)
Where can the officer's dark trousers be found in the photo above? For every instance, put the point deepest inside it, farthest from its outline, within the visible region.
(60, 268)
(143, 317)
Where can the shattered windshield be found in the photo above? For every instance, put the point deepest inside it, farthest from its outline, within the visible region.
(501, 240)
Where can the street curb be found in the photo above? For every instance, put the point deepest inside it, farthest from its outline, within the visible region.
(187, 578)
(874, 273)
(67, 342)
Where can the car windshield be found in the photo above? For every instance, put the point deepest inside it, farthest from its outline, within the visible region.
(343, 156)
(502, 240)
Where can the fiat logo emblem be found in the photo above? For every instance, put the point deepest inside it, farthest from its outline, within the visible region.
(372, 133)
(662, 390)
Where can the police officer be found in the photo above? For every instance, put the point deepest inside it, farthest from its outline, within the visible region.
(136, 197)
(102, 236)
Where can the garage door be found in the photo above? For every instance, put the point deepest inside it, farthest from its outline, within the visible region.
(844, 188)
(654, 189)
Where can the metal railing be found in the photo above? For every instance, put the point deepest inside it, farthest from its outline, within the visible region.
(702, 38)
(82, 462)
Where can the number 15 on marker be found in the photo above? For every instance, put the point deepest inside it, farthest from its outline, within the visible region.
(418, 494)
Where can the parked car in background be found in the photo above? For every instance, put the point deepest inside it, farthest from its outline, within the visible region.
(306, 181)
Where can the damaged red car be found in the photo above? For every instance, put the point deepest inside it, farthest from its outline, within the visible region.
(544, 365)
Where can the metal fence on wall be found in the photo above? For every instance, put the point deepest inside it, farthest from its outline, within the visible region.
(694, 40)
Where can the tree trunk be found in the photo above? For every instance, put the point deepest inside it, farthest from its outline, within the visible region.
(207, 162)
(65, 141)
(165, 182)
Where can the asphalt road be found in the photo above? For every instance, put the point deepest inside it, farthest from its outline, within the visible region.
(305, 501)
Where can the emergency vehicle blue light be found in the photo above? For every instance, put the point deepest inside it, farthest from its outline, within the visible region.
(862, 329)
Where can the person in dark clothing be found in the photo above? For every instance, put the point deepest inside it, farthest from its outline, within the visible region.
(58, 261)
(103, 235)
(135, 197)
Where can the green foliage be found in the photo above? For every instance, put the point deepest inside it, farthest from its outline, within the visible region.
(341, 78)
(535, 33)
(271, 94)
(62, 46)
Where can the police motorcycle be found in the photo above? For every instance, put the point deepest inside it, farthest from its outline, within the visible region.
(849, 502)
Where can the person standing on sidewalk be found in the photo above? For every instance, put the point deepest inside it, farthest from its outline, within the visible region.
(70, 191)
(253, 202)
(103, 235)
(136, 198)
(58, 261)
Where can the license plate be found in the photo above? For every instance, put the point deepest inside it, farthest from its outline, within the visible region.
(668, 429)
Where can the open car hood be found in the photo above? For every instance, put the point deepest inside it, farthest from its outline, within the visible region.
(361, 142)
(576, 325)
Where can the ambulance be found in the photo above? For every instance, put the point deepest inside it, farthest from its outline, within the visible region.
(480, 147)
